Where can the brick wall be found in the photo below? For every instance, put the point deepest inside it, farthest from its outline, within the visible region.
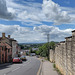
(2, 54)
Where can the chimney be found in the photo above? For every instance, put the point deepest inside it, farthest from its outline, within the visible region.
(3, 35)
(73, 33)
(8, 36)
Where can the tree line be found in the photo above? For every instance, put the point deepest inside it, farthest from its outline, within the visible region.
(43, 50)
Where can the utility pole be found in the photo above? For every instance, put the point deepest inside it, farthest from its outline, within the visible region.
(48, 46)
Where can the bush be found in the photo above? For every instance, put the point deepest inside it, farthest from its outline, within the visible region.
(43, 50)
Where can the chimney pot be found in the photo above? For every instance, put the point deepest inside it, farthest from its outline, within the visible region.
(8, 36)
(3, 35)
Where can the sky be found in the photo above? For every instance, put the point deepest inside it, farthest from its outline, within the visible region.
(29, 21)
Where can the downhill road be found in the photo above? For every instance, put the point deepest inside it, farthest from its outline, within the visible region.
(29, 67)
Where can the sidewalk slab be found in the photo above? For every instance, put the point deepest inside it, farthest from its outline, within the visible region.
(47, 68)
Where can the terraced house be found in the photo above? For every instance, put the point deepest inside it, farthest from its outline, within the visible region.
(8, 48)
(5, 52)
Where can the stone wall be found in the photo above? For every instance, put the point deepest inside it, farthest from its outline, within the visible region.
(73, 52)
(52, 55)
(64, 55)
(69, 55)
(60, 56)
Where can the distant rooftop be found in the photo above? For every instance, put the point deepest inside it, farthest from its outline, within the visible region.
(68, 37)
(62, 42)
(73, 31)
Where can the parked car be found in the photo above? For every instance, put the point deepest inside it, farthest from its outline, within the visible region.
(33, 54)
(37, 56)
(17, 60)
(23, 57)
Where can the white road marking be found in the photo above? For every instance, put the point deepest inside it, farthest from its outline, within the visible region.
(20, 66)
(15, 69)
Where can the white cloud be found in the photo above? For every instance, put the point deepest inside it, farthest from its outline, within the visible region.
(21, 34)
(55, 33)
(48, 11)
(37, 34)
(54, 12)
(4, 14)
(26, 11)
(11, 29)
(36, 12)
(33, 14)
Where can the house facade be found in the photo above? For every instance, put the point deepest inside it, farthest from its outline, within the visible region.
(14, 49)
(9, 42)
(5, 52)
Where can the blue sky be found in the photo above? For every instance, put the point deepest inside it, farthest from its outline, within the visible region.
(25, 19)
(66, 3)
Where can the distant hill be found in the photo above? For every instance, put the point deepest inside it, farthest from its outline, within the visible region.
(35, 43)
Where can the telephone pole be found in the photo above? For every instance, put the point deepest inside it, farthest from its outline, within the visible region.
(48, 46)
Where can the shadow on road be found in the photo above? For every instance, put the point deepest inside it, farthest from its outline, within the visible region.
(6, 65)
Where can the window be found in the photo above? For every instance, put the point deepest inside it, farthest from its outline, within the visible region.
(8, 50)
(2, 58)
(2, 48)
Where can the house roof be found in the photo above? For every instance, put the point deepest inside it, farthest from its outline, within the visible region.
(68, 37)
(12, 39)
(73, 31)
(62, 42)
(5, 44)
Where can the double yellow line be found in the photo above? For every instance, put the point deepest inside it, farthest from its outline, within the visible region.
(40, 68)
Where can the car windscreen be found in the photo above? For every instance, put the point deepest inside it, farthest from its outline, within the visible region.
(16, 58)
(22, 56)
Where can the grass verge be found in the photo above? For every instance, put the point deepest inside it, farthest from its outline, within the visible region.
(59, 73)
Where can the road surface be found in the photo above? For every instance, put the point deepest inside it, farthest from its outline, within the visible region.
(29, 67)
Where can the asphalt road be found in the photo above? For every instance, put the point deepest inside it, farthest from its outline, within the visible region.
(29, 67)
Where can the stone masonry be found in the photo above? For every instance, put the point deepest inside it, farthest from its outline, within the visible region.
(52, 55)
(64, 55)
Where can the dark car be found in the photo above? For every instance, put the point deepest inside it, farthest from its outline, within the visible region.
(23, 57)
(17, 60)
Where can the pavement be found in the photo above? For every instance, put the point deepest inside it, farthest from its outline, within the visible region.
(5, 64)
(29, 67)
(47, 68)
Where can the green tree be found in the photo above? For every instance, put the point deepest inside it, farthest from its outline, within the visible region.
(52, 45)
(43, 50)
(22, 47)
(30, 50)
